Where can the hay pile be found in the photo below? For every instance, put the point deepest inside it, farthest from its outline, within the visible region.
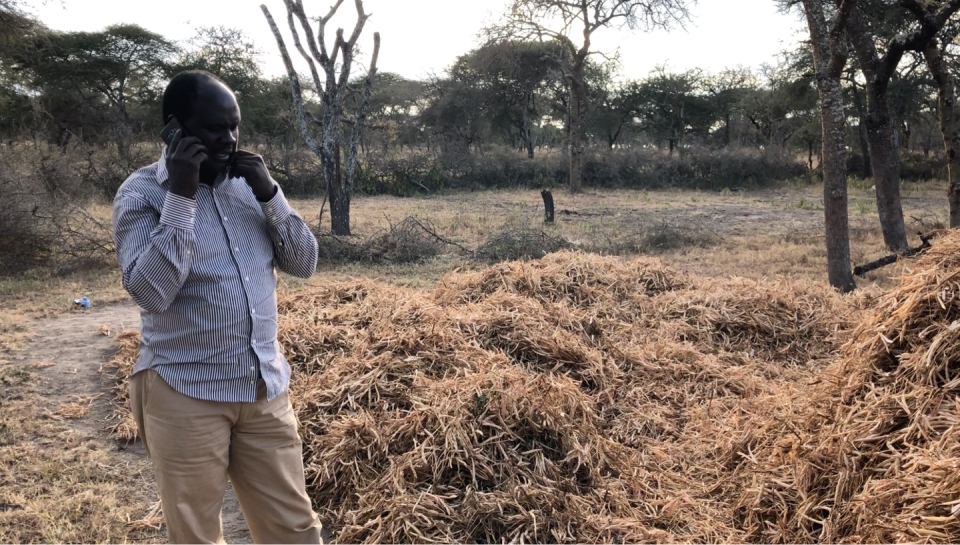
(874, 455)
(575, 398)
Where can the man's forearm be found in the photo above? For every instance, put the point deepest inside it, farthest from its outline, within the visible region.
(155, 257)
(294, 246)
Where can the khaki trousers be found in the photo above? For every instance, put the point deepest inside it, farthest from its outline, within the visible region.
(195, 445)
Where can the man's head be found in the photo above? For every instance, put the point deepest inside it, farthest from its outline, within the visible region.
(208, 110)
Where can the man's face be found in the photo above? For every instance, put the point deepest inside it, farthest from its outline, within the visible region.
(216, 122)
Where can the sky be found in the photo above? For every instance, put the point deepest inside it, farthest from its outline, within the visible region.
(424, 37)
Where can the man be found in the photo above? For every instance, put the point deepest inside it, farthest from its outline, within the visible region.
(198, 235)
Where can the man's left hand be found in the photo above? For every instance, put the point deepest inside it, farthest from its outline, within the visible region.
(254, 171)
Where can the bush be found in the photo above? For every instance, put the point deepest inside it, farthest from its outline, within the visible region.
(44, 220)
(399, 174)
(520, 244)
(635, 168)
(916, 167)
(410, 241)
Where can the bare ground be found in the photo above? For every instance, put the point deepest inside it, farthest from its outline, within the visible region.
(64, 357)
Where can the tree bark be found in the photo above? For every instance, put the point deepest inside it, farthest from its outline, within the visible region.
(884, 157)
(835, 185)
(862, 132)
(829, 58)
(548, 210)
(949, 123)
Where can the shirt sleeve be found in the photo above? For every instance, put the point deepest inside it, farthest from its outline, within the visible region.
(155, 249)
(294, 246)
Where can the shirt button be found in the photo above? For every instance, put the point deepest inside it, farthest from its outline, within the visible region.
(253, 311)
(237, 249)
(253, 341)
(253, 382)
(253, 368)
(247, 279)
(225, 218)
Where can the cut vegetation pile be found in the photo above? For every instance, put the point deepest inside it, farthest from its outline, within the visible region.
(875, 455)
(575, 398)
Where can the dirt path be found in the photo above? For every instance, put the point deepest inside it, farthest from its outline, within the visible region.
(68, 351)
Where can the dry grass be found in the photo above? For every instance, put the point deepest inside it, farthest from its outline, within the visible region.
(753, 234)
(59, 484)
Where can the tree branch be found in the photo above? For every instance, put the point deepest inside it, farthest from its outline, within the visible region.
(362, 112)
(321, 28)
(295, 90)
(291, 10)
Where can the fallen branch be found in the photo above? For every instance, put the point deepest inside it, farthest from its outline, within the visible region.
(862, 270)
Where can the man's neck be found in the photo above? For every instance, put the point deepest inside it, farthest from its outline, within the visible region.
(208, 177)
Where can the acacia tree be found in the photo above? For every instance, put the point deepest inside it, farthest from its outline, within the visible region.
(829, 58)
(512, 75)
(931, 18)
(878, 68)
(559, 20)
(333, 89)
(113, 68)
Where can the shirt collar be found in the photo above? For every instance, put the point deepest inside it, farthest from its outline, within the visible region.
(162, 174)
(162, 167)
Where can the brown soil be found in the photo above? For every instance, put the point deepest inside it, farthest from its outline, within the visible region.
(67, 353)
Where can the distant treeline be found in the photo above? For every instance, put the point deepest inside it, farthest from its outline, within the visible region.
(494, 118)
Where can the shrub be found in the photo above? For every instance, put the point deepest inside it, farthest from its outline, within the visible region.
(45, 218)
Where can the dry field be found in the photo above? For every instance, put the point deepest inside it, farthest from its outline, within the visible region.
(739, 324)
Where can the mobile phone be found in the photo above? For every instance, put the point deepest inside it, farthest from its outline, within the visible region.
(170, 129)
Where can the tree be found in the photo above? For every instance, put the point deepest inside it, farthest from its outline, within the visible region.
(512, 76)
(456, 114)
(534, 19)
(672, 106)
(932, 19)
(726, 91)
(227, 53)
(829, 57)
(333, 89)
(878, 69)
(15, 24)
(15, 27)
(394, 106)
(113, 68)
(617, 107)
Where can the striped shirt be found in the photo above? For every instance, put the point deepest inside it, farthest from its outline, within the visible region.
(203, 272)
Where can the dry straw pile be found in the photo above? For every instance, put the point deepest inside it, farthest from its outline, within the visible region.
(579, 398)
(874, 454)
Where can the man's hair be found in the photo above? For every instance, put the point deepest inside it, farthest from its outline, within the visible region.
(181, 93)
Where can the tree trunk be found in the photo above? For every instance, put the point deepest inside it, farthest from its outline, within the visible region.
(835, 186)
(949, 124)
(527, 130)
(339, 211)
(726, 129)
(829, 59)
(576, 139)
(884, 155)
(862, 132)
(884, 159)
(548, 210)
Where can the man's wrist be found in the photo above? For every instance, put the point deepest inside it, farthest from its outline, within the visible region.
(186, 193)
(264, 195)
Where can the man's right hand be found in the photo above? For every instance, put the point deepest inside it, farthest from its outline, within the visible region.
(184, 156)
